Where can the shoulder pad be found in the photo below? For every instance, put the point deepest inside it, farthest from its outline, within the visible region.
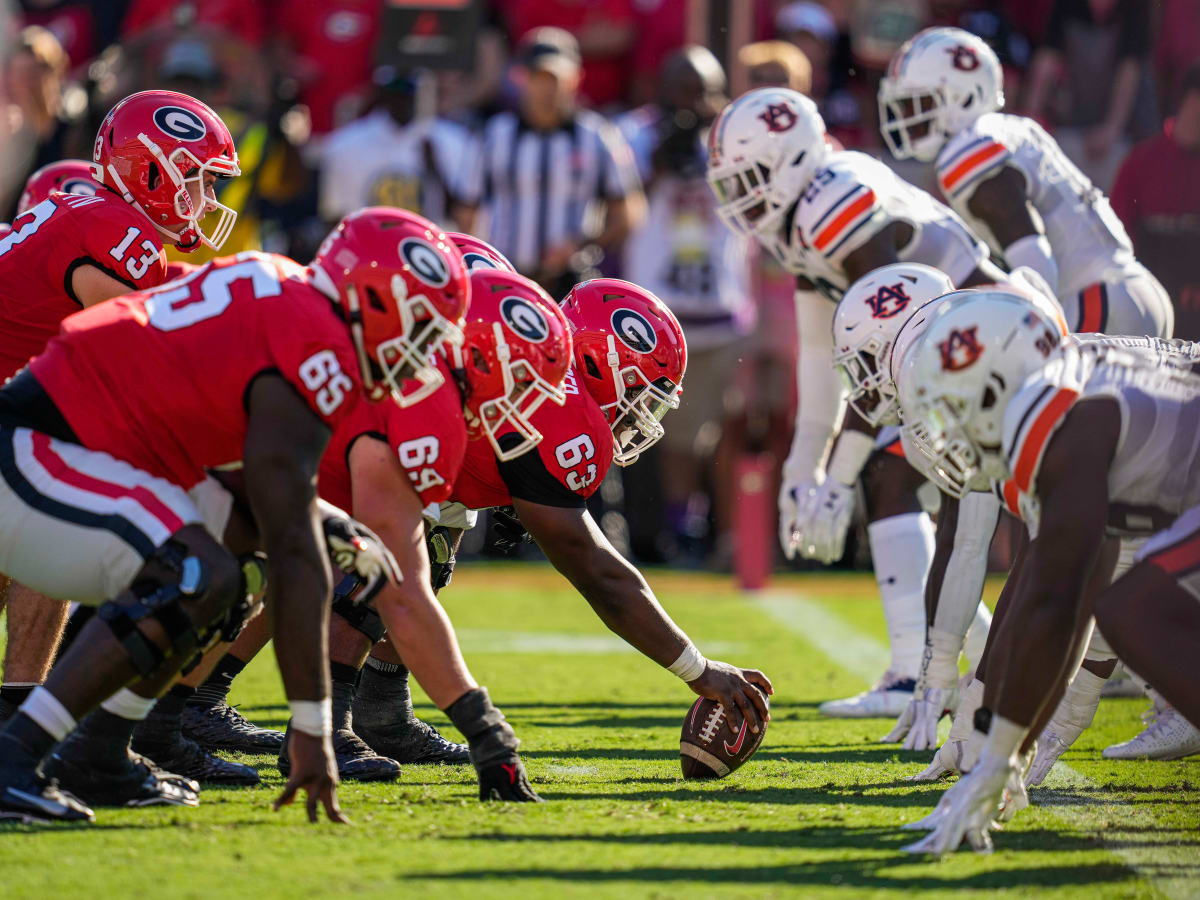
(1037, 410)
(970, 154)
(838, 202)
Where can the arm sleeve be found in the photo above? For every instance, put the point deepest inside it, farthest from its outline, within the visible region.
(966, 569)
(527, 478)
(819, 397)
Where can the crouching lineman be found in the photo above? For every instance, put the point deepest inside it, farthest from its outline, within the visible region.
(250, 360)
(1091, 441)
(940, 102)
(387, 467)
(629, 363)
(84, 234)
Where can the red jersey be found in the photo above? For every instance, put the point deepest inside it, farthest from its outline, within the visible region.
(565, 469)
(160, 379)
(429, 438)
(40, 255)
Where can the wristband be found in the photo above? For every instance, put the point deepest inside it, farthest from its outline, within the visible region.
(690, 665)
(1004, 737)
(850, 454)
(312, 717)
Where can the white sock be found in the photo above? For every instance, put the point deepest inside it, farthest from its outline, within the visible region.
(977, 635)
(128, 705)
(902, 550)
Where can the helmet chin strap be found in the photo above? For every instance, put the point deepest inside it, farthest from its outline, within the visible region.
(356, 334)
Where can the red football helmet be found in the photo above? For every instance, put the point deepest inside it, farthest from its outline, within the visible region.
(155, 145)
(404, 290)
(515, 354)
(630, 352)
(479, 254)
(71, 176)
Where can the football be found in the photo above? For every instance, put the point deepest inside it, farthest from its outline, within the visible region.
(708, 747)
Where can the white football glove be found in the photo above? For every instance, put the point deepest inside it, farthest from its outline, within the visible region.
(356, 550)
(969, 809)
(791, 495)
(918, 724)
(824, 519)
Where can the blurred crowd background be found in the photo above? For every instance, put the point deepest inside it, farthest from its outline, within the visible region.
(570, 133)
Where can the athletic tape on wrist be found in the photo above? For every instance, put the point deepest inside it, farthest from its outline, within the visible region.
(312, 717)
(690, 665)
(850, 454)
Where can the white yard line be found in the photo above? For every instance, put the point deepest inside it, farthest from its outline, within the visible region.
(1172, 870)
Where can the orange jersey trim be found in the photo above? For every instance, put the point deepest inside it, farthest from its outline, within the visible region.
(844, 218)
(1039, 433)
(959, 172)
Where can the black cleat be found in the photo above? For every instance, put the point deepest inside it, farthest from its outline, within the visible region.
(27, 798)
(187, 758)
(130, 782)
(414, 742)
(222, 727)
(355, 760)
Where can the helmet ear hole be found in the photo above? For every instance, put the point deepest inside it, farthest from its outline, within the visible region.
(989, 398)
(799, 157)
(374, 301)
(153, 176)
(478, 361)
(590, 366)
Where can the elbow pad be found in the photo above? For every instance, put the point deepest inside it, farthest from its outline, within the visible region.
(1033, 251)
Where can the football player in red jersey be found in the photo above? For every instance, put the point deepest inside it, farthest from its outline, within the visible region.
(629, 361)
(155, 158)
(386, 466)
(108, 433)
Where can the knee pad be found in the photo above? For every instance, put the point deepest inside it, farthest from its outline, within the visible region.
(362, 617)
(441, 557)
(161, 602)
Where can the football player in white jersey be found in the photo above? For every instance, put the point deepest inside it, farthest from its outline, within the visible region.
(1098, 442)
(831, 217)
(940, 102)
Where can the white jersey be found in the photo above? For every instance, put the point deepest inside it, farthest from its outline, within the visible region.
(1155, 472)
(848, 202)
(1085, 235)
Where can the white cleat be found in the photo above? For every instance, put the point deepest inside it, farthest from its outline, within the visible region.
(1168, 735)
(887, 699)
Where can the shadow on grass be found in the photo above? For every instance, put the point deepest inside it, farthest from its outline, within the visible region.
(736, 793)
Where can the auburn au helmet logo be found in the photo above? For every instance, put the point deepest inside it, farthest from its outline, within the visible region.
(779, 117)
(963, 58)
(888, 301)
(960, 349)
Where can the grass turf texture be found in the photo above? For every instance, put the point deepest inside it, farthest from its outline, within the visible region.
(813, 814)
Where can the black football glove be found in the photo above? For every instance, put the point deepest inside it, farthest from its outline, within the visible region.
(507, 782)
(356, 550)
(507, 530)
(493, 747)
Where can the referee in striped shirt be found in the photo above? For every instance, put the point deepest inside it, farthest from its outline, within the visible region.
(551, 180)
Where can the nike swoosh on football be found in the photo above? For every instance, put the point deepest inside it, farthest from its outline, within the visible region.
(737, 745)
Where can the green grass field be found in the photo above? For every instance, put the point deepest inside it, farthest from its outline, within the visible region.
(815, 813)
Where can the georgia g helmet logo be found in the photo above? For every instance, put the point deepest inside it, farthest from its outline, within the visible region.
(478, 261)
(525, 319)
(425, 262)
(779, 117)
(179, 123)
(632, 329)
(82, 186)
(888, 301)
(961, 349)
(964, 58)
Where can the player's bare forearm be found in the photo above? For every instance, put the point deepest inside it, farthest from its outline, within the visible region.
(420, 630)
(283, 448)
(615, 590)
(1030, 659)
(947, 522)
(1000, 202)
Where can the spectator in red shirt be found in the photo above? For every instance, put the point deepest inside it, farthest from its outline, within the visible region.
(1157, 196)
(605, 30)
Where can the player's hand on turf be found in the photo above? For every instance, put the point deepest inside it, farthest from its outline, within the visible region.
(735, 690)
(356, 550)
(314, 770)
(791, 494)
(970, 807)
(508, 782)
(918, 724)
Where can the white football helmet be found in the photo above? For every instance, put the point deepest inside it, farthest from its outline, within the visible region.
(937, 84)
(866, 322)
(956, 380)
(762, 151)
